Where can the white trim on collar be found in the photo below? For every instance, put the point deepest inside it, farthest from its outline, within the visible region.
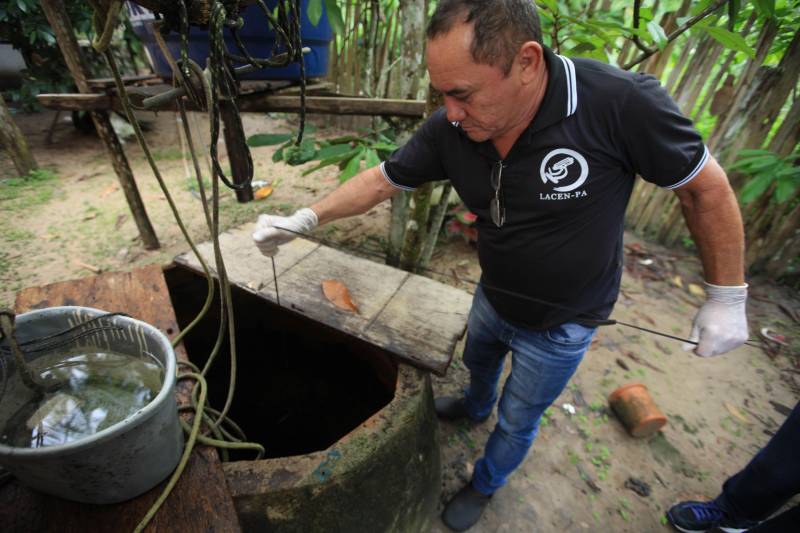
(572, 88)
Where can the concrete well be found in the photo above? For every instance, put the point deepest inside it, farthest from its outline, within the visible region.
(350, 435)
(382, 476)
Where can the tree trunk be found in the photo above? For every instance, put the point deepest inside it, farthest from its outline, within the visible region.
(412, 44)
(56, 15)
(417, 228)
(411, 67)
(370, 44)
(14, 142)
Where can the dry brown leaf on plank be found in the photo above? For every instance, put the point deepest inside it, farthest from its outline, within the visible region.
(336, 292)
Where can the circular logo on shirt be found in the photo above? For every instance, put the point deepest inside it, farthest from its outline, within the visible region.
(565, 168)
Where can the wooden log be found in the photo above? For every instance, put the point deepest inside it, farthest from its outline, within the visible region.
(76, 102)
(338, 105)
(108, 83)
(14, 142)
(56, 15)
(253, 103)
(200, 500)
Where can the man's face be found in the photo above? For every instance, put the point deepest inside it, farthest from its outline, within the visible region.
(481, 97)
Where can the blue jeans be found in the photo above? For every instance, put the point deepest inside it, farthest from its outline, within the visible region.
(542, 362)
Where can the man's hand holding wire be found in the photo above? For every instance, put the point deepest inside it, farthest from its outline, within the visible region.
(268, 234)
(721, 323)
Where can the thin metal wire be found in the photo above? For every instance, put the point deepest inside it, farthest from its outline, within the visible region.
(597, 320)
(275, 279)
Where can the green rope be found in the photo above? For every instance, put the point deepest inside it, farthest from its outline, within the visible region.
(194, 433)
(29, 378)
(220, 84)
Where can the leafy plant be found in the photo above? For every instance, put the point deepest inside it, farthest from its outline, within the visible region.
(25, 27)
(347, 152)
(764, 169)
(23, 24)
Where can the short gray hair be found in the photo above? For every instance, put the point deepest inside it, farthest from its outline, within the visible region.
(500, 27)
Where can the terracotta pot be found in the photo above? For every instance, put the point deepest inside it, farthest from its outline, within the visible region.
(636, 409)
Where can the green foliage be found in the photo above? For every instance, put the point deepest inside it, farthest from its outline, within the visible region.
(765, 168)
(730, 40)
(332, 9)
(347, 152)
(23, 24)
(268, 139)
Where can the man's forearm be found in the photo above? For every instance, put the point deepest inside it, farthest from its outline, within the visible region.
(712, 215)
(356, 196)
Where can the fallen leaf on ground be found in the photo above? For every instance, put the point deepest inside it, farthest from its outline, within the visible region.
(111, 188)
(263, 192)
(696, 290)
(735, 412)
(336, 292)
(677, 281)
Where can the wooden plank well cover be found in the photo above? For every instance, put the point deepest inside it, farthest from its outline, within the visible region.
(417, 319)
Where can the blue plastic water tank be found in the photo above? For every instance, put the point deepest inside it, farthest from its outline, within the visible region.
(256, 34)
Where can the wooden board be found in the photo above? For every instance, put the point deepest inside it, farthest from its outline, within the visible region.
(200, 500)
(417, 319)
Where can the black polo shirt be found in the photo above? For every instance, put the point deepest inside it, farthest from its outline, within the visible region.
(566, 184)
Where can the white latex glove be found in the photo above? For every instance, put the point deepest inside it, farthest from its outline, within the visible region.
(268, 236)
(721, 323)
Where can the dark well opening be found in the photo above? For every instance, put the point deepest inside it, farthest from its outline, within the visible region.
(300, 385)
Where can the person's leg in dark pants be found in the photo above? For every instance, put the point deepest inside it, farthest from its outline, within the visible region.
(753, 494)
(771, 477)
(783, 523)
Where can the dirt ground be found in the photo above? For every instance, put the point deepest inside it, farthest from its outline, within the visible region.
(74, 222)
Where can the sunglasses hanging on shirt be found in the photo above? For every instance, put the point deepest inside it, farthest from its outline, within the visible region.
(497, 209)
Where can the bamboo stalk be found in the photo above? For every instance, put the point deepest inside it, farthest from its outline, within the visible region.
(701, 74)
(717, 80)
(687, 78)
(680, 65)
(437, 218)
(767, 35)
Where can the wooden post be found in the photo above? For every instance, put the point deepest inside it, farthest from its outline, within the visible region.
(241, 168)
(65, 36)
(14, 142)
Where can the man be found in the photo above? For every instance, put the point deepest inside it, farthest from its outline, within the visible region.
(755, 493)
(544, 150)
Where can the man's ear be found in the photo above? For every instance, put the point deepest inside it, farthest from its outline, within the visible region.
(530, 59)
